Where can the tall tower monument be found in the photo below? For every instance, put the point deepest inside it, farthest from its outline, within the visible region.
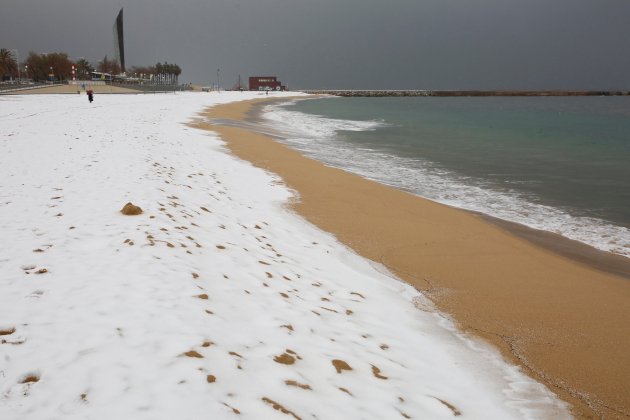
(119, 41)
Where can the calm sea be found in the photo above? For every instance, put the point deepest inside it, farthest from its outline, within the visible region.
(556, 164)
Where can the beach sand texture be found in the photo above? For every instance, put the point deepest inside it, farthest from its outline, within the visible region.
(564, 322)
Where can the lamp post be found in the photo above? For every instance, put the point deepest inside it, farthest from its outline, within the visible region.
(26, 70)
(218, 82)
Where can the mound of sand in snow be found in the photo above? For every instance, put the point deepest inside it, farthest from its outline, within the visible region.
(130, 210)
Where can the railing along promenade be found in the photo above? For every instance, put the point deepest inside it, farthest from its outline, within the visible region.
(151, 88)
(133, 88)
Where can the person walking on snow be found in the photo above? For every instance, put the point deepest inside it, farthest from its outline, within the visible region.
(90, 94)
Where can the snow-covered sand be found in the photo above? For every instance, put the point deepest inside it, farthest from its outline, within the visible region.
(216, 302)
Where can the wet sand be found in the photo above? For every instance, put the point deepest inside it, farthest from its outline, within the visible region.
(563, 320)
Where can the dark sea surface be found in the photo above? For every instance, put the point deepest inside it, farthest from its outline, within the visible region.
(556, 164)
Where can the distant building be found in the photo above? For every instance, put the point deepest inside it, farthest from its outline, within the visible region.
(265, 83)
(97, 75)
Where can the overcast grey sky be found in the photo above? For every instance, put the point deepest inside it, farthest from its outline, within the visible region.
(424, 44)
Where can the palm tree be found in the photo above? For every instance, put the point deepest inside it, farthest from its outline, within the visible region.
(176, 71)
(8, 63)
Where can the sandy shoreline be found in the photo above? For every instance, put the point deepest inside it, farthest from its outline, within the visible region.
(565, 247)
(561, 320)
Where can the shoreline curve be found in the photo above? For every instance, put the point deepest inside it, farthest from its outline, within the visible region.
(561, 320)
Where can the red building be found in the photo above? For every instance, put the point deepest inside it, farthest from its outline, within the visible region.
(265, 83)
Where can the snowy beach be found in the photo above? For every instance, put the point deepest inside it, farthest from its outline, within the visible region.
(216, 301)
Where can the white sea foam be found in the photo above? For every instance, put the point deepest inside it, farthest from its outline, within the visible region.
(316, 136)
(314, 126)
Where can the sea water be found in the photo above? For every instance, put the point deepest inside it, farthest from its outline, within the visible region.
(560, 164)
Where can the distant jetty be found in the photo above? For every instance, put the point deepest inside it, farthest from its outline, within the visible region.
(462, 93)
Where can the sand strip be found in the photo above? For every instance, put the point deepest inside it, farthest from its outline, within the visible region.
(564, 322)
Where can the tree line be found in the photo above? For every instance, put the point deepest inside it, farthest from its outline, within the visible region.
(162, 73)
(58, 66)
(8, 63)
